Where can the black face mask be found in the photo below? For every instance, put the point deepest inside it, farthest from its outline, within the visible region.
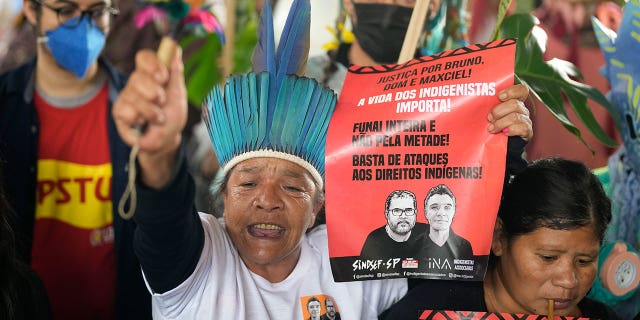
(380, 29)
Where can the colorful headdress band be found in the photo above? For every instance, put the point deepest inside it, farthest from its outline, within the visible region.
(272, 111)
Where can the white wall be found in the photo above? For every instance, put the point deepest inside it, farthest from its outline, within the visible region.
(323, 13)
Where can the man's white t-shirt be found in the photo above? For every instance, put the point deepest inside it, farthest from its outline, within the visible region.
(221, 286)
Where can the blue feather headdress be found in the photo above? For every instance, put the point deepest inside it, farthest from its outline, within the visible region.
(273, 111)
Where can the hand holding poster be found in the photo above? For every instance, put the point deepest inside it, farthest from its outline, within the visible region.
(413, 177)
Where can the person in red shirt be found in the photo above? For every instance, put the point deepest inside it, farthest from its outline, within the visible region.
(65, 164)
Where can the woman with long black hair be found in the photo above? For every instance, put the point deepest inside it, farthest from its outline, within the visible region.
(22, 294)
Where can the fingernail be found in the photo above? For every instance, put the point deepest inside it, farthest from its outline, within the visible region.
(490, 128)
(490, 117)
(502, 96)
(505, 130)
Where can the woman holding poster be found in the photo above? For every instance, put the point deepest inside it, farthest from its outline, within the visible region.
(264, 258)
(545, 248)
(379, 28)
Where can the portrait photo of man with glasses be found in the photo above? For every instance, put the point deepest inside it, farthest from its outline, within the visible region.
(399, 237)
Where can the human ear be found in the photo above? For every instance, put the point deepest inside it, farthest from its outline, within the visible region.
(29, 9)
(498, 242)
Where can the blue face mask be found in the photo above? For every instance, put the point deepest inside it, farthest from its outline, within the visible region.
(76, 48)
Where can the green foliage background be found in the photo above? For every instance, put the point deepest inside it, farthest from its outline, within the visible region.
(203, 53)
(551, 81)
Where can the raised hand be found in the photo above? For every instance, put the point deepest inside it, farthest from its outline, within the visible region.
(155, 96)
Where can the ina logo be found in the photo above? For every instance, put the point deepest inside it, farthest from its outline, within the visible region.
(439, 263)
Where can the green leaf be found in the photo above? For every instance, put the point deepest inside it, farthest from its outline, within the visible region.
(246, 40)
(201, 66)
(203, 52)
(503, 6)
(552, 82)
(525, 5)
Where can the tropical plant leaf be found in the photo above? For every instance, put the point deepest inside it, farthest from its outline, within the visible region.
(503, 6)
(552, 82)
(201, 66)
(203, 52)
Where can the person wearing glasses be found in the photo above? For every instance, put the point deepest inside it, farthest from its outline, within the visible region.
(64, 164)
(331, 312)
(399, 237)
(441, 241)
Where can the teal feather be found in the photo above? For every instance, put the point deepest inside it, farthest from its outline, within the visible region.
(295, 117)
(290, 113)
(263, 112)
(211, 119)
(273, 108)
(302, 135)
(318, 135)
(250, 112)
(291, 131)
(206, 117)
(280, 111)
(264, 57)
(293, 49)
(223, 136)
(231, 110)
(225, 116)
(242, 99)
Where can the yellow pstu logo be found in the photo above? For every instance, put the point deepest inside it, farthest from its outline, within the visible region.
(79, 195)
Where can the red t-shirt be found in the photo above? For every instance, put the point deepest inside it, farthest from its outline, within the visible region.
(73, 233)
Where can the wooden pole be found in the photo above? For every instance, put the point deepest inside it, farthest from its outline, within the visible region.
(230, 35)
(166, 50)
(414, 30)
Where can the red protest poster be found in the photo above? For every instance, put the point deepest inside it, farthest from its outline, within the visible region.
(476, 315)
(413, 177)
